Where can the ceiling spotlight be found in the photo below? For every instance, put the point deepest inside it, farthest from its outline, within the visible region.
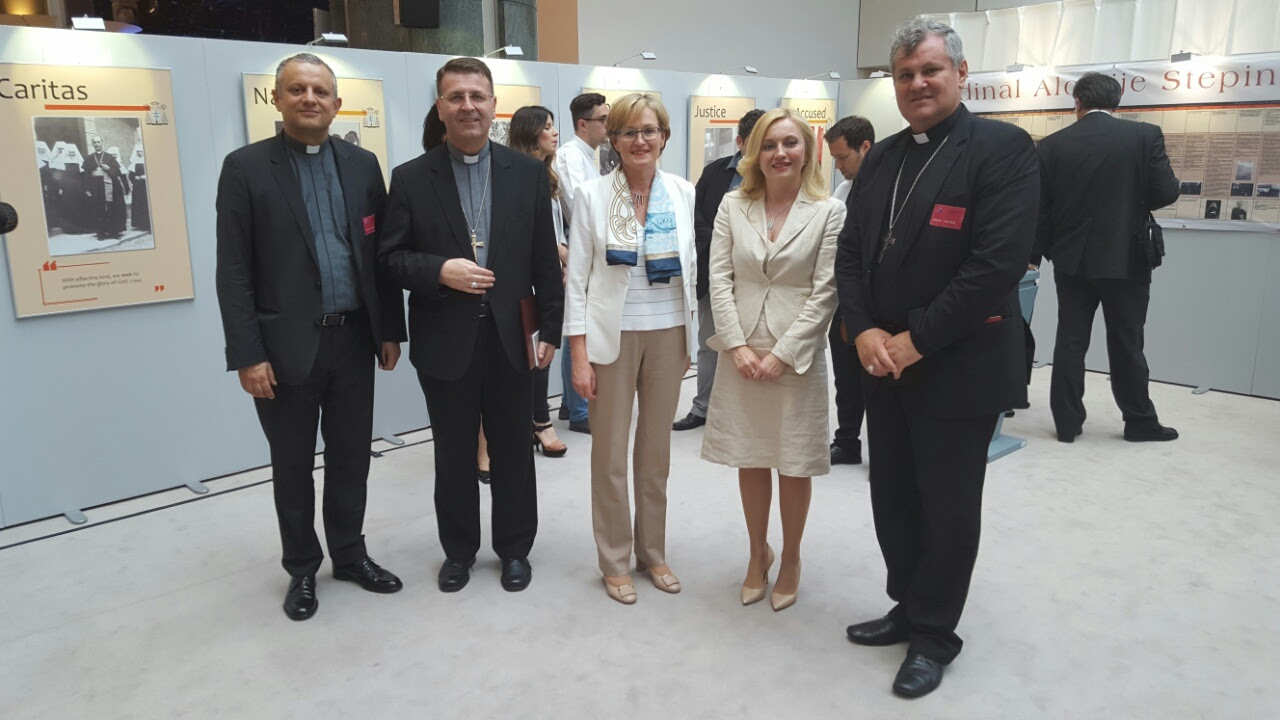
(1017, 67)
(88, 23)
(750, 69)
(646, 55)
(330, 40)
(1183, 56)
(508, 50)
(832, 75)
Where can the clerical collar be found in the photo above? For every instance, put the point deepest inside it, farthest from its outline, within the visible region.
(299, 146)
(939, 131)
(460, 157)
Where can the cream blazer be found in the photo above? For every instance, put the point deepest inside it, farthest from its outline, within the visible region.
(596, 291)
(794, 277)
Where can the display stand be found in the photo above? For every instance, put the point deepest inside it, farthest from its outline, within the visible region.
(1002, 444)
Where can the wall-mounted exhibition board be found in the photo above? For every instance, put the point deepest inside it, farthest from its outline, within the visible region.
(359, 121)
(511, 98)
(93, 162)
(713, 127)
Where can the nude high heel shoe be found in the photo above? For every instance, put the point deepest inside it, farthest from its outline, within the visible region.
(782, 602)
(625, 594)
(754, 595)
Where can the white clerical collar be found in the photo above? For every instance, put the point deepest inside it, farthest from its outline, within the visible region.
(920, 138)
(1104, 112)
(462, 157)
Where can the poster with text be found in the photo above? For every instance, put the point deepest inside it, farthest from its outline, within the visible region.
(510, 99)
(713, 128)
(92, 169)
(821, 114)
(359, 122)
(608, 159)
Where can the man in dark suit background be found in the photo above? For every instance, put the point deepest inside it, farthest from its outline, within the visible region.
(717, 179)
(940, 226)
(849, 140)
(1100, 177)
(303, 312)
(469, 233)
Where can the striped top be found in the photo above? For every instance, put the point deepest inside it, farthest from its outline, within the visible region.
(652, 307)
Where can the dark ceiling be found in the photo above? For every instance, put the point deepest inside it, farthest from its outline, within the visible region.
(286, 21)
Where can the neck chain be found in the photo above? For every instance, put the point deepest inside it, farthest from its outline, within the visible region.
(772, 220)
(476, 244)
(894, 217)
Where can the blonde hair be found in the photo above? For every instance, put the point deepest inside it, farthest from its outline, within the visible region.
(628, 109)
(749, 165)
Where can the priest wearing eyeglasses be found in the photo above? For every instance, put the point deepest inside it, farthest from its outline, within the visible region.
(940, 224)
(469, 234)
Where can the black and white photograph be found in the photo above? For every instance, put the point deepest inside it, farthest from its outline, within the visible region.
(1242, 189)
(718, 142)
(1266, 190)
(1244, 170)
(1189, 187)
(93, 179)
(1212, 209)
(608, 159)
(500, 132)
(1239, 211)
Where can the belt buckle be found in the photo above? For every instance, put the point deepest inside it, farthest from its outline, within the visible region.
(333, 320)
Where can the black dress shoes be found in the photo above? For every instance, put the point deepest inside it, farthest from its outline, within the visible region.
(369, 576)
(516, 574)
(843, 456)
(918, 676)
(583, 427)
(1069, 437)
(878, 633)
(564, 411)
(300, 602)
(454, 575)
(1154, 432)
(688, 422)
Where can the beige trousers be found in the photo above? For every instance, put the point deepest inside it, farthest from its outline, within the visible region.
(650, 366)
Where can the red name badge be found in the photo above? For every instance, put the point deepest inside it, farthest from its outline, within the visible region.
(369, 225)
(947, 216)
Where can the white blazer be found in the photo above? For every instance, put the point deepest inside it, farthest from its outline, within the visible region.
(596, 290)
(794, 276)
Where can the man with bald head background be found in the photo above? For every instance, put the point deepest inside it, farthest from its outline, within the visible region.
(304, 314)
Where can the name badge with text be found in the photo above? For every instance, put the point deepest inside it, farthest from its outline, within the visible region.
(369, 225)
(947, 216)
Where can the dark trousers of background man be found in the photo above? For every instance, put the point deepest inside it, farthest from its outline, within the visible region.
(707, 358)
(1124, 310)
(492, 389)
(848, 380)
(926, 499)
(338, 397)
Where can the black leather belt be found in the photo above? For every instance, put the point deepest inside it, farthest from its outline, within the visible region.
(329, 320)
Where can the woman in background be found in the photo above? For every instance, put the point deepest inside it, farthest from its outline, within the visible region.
(533, 132)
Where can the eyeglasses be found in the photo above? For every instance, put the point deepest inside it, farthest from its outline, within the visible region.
(650, 134)
(601, 120)
(458, 98)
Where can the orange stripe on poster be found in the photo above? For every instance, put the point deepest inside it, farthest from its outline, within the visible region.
(121, 108)
(351, 113)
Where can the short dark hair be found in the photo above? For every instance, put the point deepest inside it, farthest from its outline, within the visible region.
(433, 129)
(855, 130)
(748, 123)
(1096, 91)
(464, 66)
(581, 107)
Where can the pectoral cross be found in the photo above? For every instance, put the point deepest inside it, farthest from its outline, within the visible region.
(889, 240)
(475, 247)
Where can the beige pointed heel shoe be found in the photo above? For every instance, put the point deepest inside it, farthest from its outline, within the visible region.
(780, 601)
(625, 594)
(754, 595)
(667, 583)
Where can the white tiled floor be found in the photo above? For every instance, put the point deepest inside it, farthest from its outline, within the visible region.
(1115, 580)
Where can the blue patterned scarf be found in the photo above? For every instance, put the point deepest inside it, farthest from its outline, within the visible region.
(659, 244)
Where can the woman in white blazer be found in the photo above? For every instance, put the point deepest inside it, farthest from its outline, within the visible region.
(628, 306)
(772, 295)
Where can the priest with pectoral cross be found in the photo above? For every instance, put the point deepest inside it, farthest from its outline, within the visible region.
(940, 224)
(468, 232)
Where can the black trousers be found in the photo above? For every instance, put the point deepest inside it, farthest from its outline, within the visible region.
(848, 381)
(494, 390)
(541, 382)
(927, 475)
(338, 397)
(1124, 309)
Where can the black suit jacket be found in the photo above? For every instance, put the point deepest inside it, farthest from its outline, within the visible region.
(1100, 177)
(711, 188)
(425, 227)
(268, 278)
(960, 285)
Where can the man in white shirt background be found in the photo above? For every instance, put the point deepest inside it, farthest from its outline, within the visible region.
(576, 164)
(849, 140)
